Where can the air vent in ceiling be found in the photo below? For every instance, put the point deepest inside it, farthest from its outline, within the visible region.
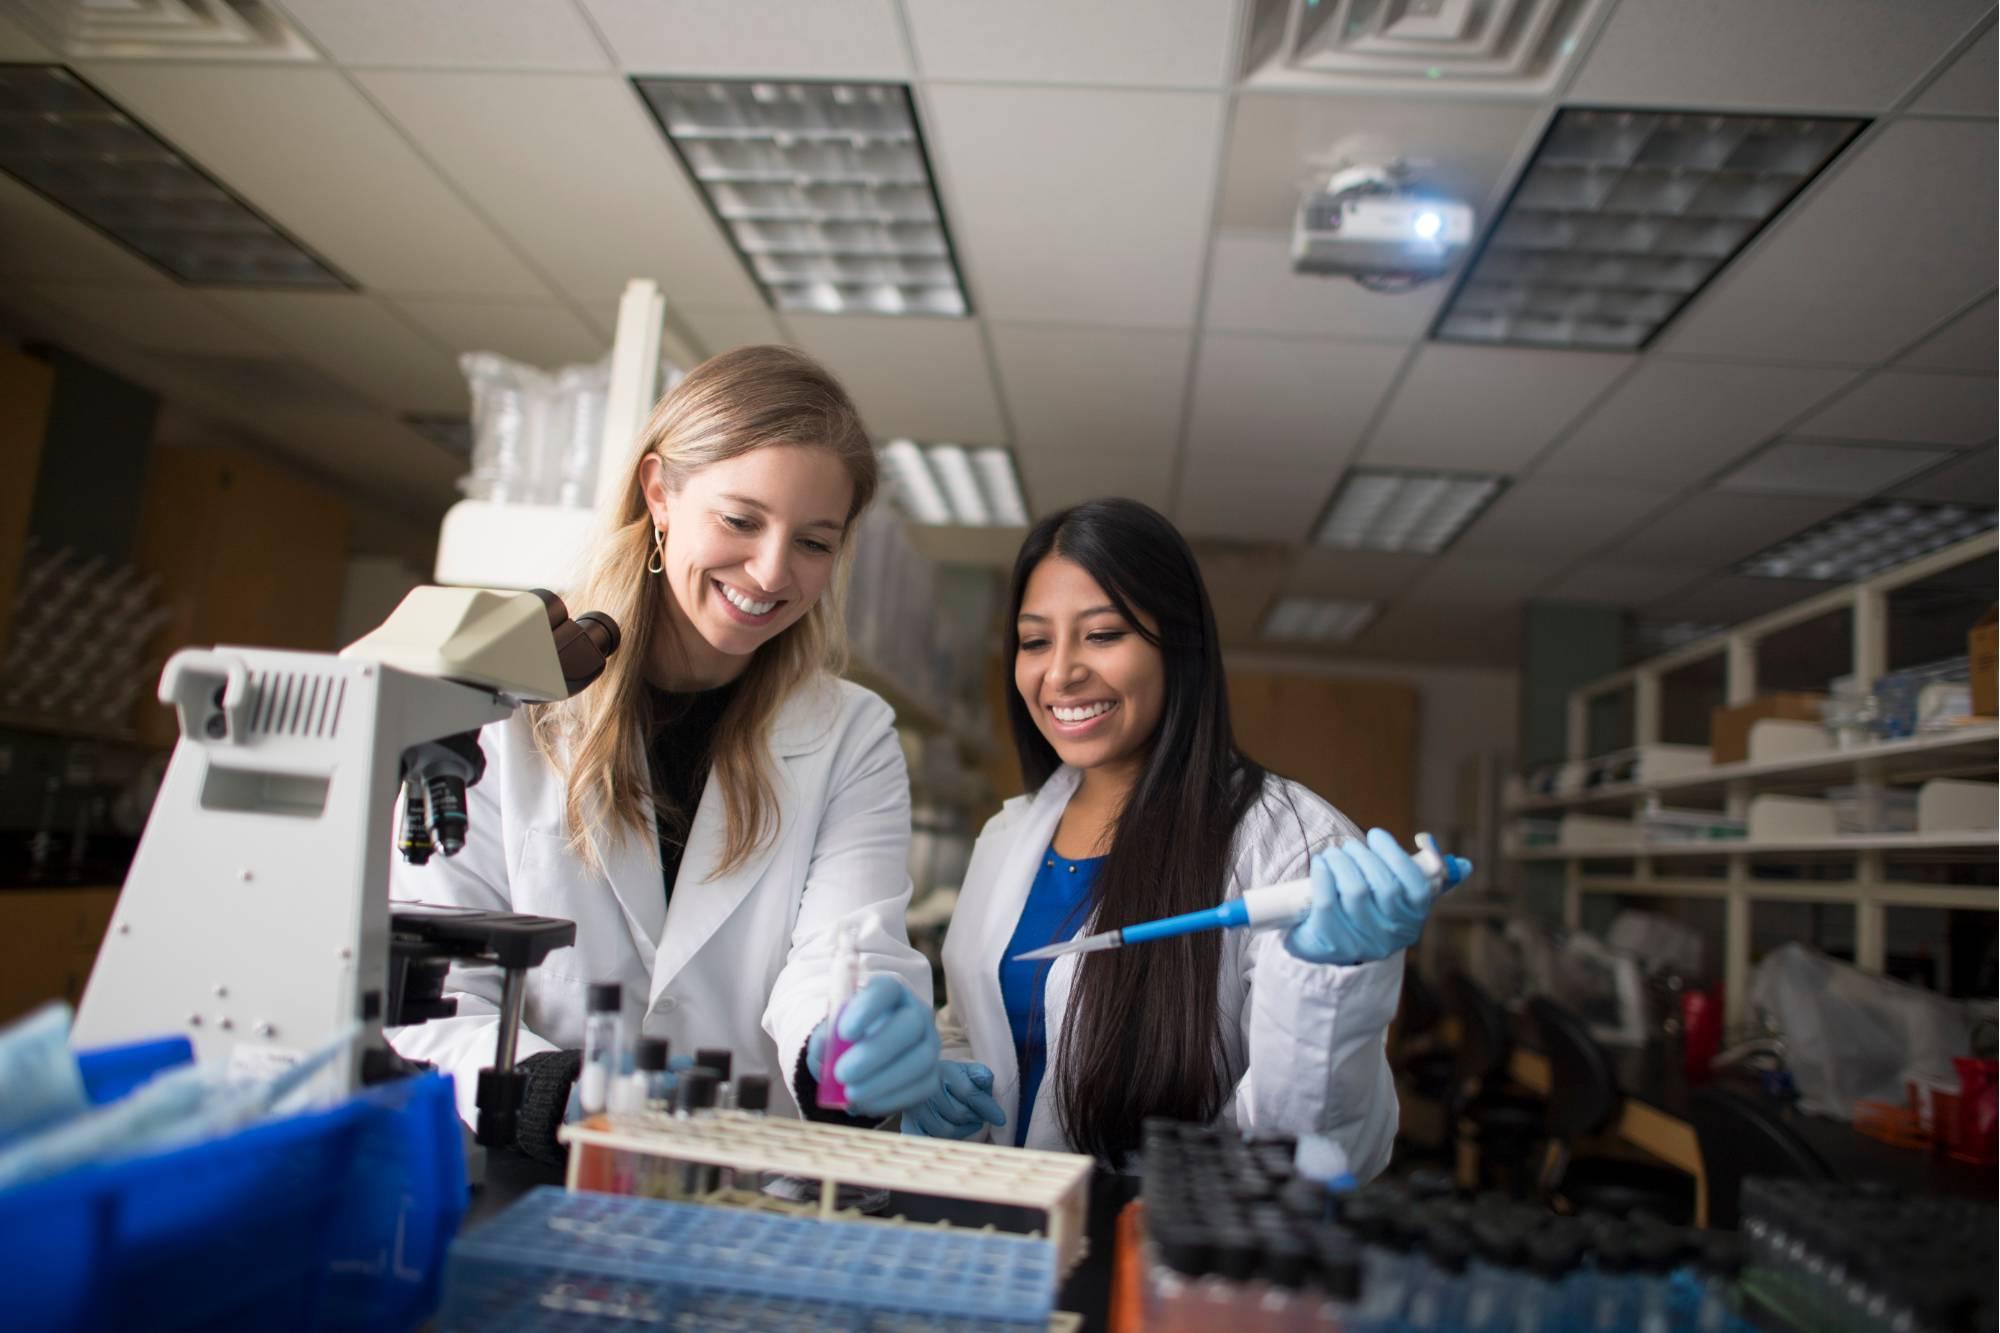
(167, 30)
(1442, 46)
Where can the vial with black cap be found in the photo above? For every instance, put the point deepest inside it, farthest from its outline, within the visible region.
(603, 1046)
(713, 1057)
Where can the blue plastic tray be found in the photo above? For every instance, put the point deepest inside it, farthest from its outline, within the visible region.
(339, 1219)
(561, 1261)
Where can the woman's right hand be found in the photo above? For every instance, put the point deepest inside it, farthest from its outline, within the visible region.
(893, 1061)
(962, 1105)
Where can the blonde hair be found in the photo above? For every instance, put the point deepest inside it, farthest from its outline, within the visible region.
(726, 407)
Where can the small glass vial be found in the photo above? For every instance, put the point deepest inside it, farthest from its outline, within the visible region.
(603, 1046)
(712, 1057)
(650, 1058)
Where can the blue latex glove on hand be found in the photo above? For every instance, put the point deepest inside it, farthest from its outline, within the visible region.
(893, 1063)
(962, 1104)
(1370, 900)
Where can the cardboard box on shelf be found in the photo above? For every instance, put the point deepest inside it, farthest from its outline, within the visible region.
(48, 941)
(1983, 647)
(1729, 728)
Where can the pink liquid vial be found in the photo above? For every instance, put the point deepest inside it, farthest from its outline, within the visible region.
(843, 979)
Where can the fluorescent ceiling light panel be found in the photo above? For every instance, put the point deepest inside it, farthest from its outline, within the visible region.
(949, 485)
(1418, 512)
(1868, 539)
(823, 188)
(61, 138)
(167, 29)
(1317, 620)
(1623, 217)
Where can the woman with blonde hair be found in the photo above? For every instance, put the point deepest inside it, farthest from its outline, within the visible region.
(719, 806)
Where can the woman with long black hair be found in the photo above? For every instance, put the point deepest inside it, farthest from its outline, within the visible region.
(1140, 806)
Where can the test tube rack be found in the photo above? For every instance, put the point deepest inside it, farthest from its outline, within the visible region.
(1055, 1185)
(557, 1261)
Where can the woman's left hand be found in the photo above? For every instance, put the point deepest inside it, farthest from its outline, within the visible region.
(893, 1063)
(1370, 900)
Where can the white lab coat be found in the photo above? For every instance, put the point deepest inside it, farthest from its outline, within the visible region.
(1303, 1043)
(739, 962)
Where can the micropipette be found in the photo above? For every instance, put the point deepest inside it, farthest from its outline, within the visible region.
(1283, 904)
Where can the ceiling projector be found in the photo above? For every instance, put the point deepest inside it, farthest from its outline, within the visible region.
(1372, 224)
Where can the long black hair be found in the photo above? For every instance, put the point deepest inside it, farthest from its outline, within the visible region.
(1142, 1035)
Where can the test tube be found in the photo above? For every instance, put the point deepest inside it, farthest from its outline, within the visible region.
(650, 1058)
(753, 1093)
(694, 1094)
(603, 1045)
(710, 1057)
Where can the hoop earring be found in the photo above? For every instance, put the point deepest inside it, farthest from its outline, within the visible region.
(658, 563)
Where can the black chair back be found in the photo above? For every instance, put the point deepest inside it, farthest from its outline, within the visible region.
(1583, 1093)
(1740, 1137)
(1485, 1041)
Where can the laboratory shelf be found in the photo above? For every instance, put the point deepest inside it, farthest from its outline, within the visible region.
(1975, 841)
(1956, 753)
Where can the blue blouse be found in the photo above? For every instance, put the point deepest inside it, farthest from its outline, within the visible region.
(1055, 910)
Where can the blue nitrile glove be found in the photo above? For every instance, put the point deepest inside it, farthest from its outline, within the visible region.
(962, 1104)
(892, 1065)
(1370, 900)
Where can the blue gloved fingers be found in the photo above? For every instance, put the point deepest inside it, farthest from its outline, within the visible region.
(894, 1091)
(968, 1087)
(880, 997)
(1367, 890)
(1416, 885)
(924, 1120)
(1316, 935)
(676, 1063)
(909, 1029)
(1461, 869)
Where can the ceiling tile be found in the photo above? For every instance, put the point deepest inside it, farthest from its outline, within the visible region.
(173, 319)
(1543, 517)
(359, 341)
(540, 334)
(1602, 584)
(987, 548)
(1277, 142)
(1074, 387)
(772, 39)
(922, 378)
(1968, 343)
(1321, 572)
(451, 34)
(1186, 43)
(1731, 599)
(721, 327)
(40, 240)
(574, 169)
(1909, 405)
(1056, 479)
(16, 44)
(1287, 400)
(1487, 409)
(1968, 479)
(303, 147)
(1072, 205)
(1675, 422)
(1252, 289)
(1476, 583)
(1779, 55)
(1967, 86)
(1225, 496)
(1713, 528)
(1855, 272)
(1242, 582)
(1812, 467)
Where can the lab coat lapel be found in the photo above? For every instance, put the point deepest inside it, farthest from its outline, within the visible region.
(702, 900)
(999, 912)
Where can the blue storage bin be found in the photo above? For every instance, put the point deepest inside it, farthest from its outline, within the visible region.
(336, 1219)
(557, 1262)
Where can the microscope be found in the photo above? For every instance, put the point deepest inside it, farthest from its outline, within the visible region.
(256, 917)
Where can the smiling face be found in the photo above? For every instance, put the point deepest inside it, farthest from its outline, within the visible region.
(751, 543)
(1092, 683)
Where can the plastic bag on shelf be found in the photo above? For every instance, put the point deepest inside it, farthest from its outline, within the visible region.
(1851, 1036)
(509, 410)
(576, 432)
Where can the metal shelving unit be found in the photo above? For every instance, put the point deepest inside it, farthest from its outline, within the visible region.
(1973, 751)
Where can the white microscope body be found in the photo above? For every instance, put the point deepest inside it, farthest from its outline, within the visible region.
(256, 917)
